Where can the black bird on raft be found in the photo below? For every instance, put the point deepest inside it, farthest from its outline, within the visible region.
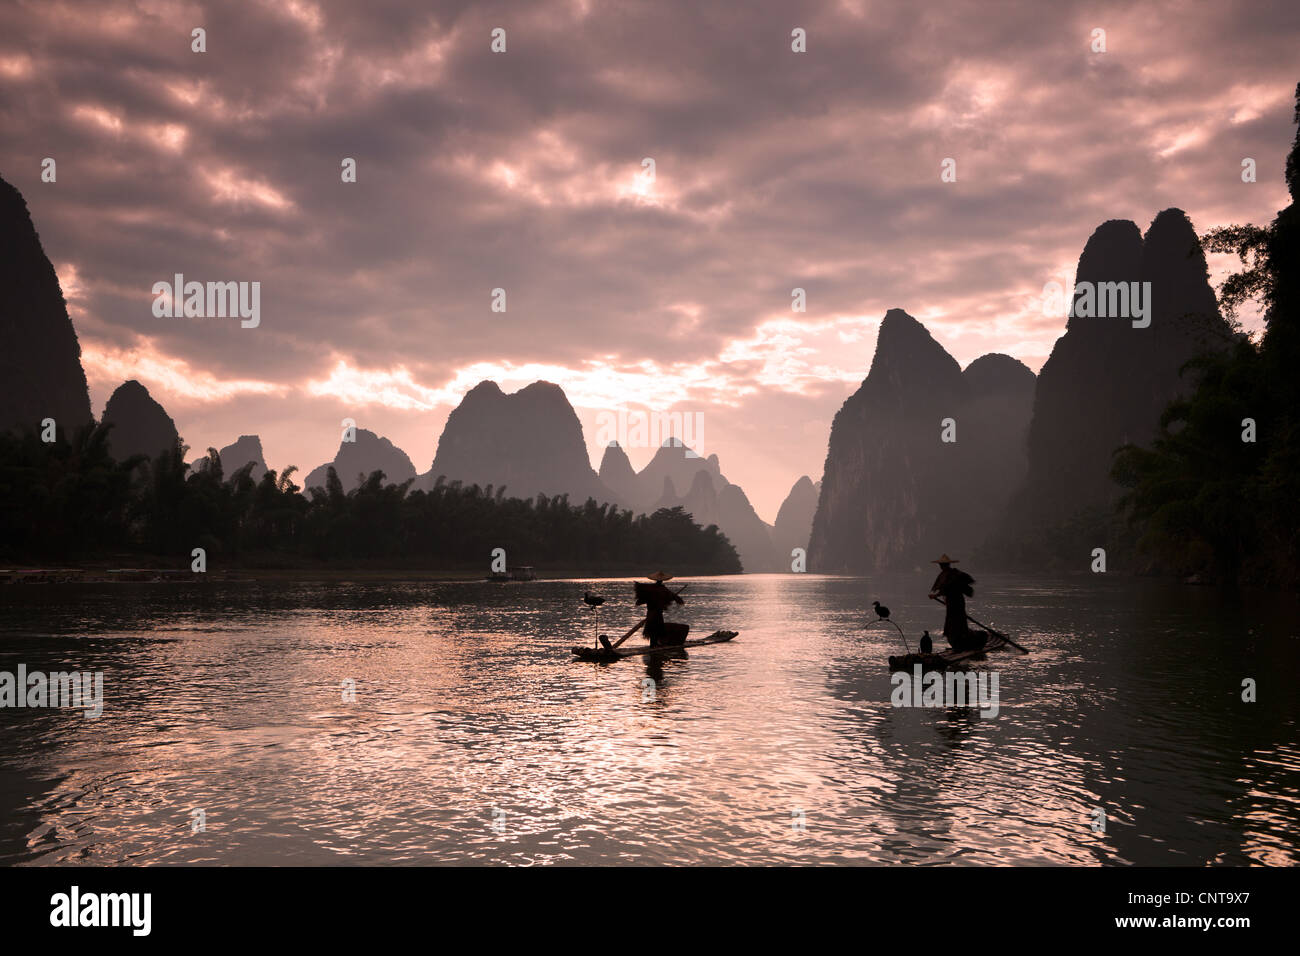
(882, 612)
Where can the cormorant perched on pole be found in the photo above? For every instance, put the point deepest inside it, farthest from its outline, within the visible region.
(593, 602)
(882, 614)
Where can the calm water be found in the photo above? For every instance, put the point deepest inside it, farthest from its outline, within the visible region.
(475, 738)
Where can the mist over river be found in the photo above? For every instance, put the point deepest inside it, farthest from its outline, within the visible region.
(474, 737)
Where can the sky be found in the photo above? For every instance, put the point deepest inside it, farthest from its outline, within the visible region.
(524, 170)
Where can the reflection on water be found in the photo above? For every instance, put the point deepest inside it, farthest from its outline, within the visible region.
(475, 738)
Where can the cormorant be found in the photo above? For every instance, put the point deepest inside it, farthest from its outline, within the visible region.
(593, 602)
(881, 611)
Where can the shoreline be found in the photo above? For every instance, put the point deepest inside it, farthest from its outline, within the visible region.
(135, 574)
(143, 569)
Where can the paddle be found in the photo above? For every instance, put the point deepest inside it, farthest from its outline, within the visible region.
(609, 647)
(985, 626)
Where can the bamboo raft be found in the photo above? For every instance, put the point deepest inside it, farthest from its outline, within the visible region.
(946, 659)
(643, 650)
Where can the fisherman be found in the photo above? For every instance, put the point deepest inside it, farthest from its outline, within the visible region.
(656, 598)
(955, 587)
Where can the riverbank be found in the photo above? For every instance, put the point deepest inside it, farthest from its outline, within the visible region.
(141, 572)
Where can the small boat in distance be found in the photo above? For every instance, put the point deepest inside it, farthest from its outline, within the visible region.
(524, 572)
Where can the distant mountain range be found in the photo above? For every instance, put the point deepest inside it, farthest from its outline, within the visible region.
(531, 443)
(677, 477)
(1027, 481)
(923, 458)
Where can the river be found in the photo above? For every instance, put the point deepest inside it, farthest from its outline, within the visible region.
(475, 738)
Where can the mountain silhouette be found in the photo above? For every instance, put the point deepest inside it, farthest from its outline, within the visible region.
(617, 474)
(893, 493)
(676, 461)
(247, 448)
(529, 441)
(711, 500)
(357, 459)
(40, 365)
(1106, 383)
(140, 425)
(992, 435)
(794, 519)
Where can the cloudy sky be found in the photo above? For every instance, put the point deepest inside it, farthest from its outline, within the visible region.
(523, 171)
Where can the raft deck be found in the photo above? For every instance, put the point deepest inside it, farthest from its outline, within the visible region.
(642, 650)
(945, 659)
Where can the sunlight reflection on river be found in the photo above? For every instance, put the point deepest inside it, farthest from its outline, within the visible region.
(475, 737)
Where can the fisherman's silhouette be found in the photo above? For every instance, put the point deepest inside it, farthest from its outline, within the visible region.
(656, 599)
(955, 587)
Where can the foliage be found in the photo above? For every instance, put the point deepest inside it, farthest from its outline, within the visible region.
(72, 500)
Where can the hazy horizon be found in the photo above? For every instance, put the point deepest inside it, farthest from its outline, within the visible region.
(523, 170)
